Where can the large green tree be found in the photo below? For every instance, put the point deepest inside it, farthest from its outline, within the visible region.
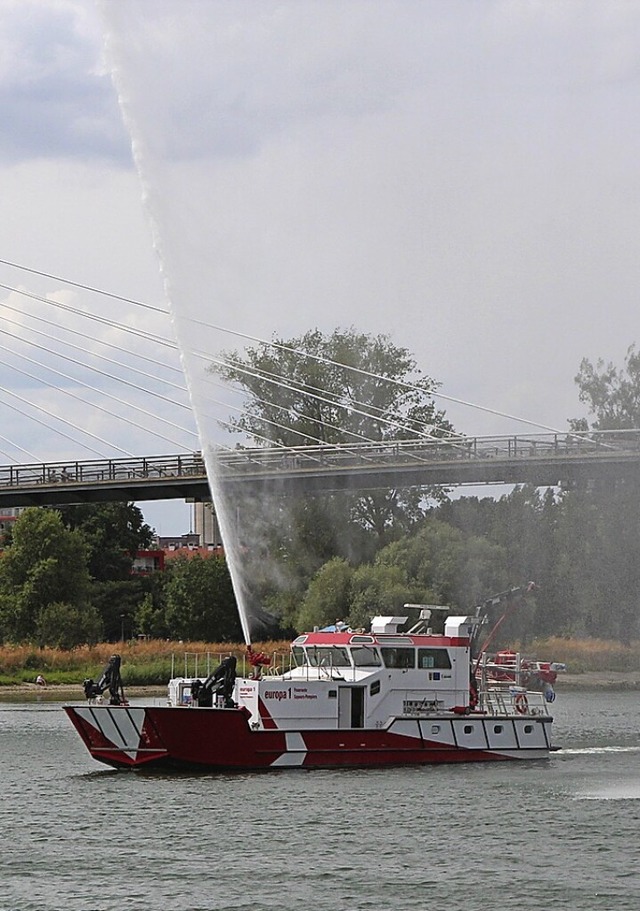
(437, 565)
(200, 603)
(346, 388)
(46, 564)
(113, 533)
(611, 393)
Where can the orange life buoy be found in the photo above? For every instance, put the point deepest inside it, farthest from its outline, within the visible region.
(521, 703)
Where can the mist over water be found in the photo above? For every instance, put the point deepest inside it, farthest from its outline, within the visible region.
(256, 171)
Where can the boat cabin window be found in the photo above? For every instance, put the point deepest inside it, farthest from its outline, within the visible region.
(399, 657)
(327, 656)
(434, 658)
(365, 657)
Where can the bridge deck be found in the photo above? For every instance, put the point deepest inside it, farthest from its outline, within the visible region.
(542, 459)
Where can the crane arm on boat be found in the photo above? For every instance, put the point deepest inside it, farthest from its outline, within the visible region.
(219, 684)
(507, 601)
(110, 680)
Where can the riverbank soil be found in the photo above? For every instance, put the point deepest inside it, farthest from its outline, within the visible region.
(599, 680)
(592, 680)
(73, 692)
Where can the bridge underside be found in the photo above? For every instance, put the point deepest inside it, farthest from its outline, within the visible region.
(104, 492)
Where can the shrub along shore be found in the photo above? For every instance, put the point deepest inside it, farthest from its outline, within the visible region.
(150, 663)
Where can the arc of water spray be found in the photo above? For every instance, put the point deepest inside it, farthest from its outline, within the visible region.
(141, 159)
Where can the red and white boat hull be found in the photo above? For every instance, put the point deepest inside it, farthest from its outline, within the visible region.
(219, 738)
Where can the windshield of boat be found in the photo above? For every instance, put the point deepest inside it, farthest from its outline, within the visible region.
(327, 656)
(365, 657)
(399, 657)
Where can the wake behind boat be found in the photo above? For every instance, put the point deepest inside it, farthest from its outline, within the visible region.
(350, 699)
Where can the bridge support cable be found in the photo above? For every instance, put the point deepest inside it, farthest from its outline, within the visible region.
(101, 408)
(150, 337)
(154, 361)
(63, 421)
(372, 412)
(278, 346)
(111, 376)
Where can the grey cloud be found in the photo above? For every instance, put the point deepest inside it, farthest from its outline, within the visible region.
(248, 78)
(53, 101)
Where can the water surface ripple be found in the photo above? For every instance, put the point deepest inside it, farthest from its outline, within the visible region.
(559, 834)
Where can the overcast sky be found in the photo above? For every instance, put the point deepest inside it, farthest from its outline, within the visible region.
(460, 175)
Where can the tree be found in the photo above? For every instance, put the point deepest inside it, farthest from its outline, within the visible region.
(149, 618)
(201, 605)
(45, 564)
(328, 597)
(117, 603)
(333, 389)
(438, 564)
(113, 532)
(67, 625)
(448, 566)
(379, 590)
(604, 573)
(346, 388)
(612, 394)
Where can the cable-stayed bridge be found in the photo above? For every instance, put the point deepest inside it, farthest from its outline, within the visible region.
(108, 387)
(538, 459)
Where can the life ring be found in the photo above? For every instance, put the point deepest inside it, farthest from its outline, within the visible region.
(521, 703)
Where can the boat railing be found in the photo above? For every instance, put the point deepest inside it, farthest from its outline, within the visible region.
(510, 700)
(193, 665)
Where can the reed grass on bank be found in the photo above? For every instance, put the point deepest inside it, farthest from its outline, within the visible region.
(144, 663)
(588, 655)
(153, 662)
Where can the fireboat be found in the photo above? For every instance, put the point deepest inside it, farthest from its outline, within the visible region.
(350, 698)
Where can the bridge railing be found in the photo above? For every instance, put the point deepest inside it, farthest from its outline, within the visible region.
(300, 459)
(98, 471)
(420, 450)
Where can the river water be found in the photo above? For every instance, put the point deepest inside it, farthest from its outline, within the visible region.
(561, 833)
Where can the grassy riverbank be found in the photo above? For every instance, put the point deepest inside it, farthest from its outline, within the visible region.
(152, 663)
(149, 663)
(587, 655)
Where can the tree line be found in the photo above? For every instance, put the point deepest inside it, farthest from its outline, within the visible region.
(66, 579)
(65, 573)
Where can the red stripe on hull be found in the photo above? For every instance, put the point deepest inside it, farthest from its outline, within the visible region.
(222, 739)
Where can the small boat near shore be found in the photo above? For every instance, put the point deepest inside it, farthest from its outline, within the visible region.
(383, 697)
